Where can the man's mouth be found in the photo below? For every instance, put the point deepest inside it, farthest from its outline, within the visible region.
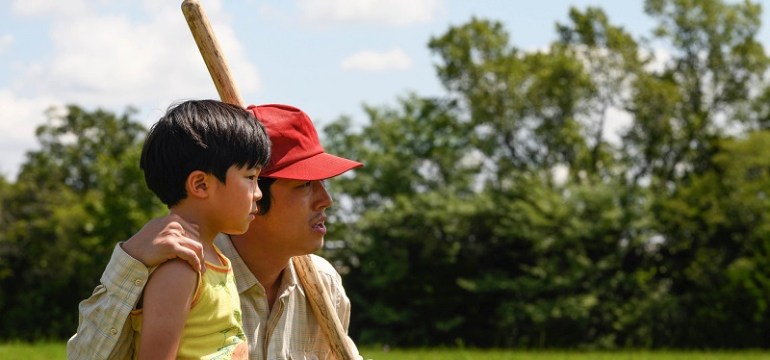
(319, 224)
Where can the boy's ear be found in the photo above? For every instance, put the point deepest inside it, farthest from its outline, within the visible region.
(197, 184)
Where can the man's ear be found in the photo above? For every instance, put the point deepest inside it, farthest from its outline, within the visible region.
(197, 184)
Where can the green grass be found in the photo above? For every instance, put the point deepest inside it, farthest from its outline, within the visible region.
(57, 351)
(459, 354)
(36, 351)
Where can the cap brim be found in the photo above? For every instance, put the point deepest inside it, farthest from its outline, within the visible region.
(318, 167)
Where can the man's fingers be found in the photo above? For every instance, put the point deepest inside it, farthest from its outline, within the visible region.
(184, 240)
(191, 230)
(192, 252)
(192, 241)
(187, 229)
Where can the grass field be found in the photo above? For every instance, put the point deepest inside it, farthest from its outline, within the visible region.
(456, 354)
(37, 351)
(56, 351)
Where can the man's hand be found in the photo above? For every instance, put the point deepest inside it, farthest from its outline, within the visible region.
(167, 238)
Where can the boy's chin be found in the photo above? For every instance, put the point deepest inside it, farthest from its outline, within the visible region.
(239, 231)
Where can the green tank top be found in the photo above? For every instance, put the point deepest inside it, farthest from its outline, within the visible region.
(213, 329)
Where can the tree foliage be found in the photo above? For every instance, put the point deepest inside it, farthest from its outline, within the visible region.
(74, 198)
(515, 212)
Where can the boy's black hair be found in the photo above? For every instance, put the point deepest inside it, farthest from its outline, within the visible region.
(206, 135)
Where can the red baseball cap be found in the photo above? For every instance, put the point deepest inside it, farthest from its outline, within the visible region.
(296, 152)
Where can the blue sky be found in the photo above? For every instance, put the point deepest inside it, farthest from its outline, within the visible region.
(327, 57)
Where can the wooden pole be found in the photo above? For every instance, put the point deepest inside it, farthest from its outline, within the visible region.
(323, 309)
(211, 52)
(315, 292)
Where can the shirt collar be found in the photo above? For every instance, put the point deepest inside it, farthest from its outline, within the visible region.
(289, 279)
(244, 278)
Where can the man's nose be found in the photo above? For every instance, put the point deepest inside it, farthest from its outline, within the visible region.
(324, 199)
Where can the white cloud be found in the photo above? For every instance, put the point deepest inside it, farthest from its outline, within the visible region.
(618, 122)
(142, 56)
(115, 60)
(18, 121)
(63, 8)
(660, 58)
(559, 174)
(21, 116)
(5, 42)
(394, 59)
(388, 12)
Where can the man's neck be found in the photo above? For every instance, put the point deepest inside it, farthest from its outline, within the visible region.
(266, 266)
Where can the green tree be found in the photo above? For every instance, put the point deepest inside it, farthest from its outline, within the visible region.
(681, 115)
(715, 62)
(72, 201)
(720, 275)
(519, 119)
(484, 221)
(410, 201)
(612, 254)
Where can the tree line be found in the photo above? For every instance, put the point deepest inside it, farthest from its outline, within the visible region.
(510, 212)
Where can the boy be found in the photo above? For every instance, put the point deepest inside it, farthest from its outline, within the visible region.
(202, 159)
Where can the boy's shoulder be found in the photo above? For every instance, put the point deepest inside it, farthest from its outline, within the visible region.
(173, 275)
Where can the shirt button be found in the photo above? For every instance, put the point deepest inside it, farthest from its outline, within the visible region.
(114, 331)
(138, 282)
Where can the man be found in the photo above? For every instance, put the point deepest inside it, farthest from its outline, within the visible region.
(277, 319)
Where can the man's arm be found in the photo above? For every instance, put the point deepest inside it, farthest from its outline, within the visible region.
(103, 330)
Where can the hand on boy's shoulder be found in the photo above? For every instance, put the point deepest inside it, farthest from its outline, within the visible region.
(165, 238)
